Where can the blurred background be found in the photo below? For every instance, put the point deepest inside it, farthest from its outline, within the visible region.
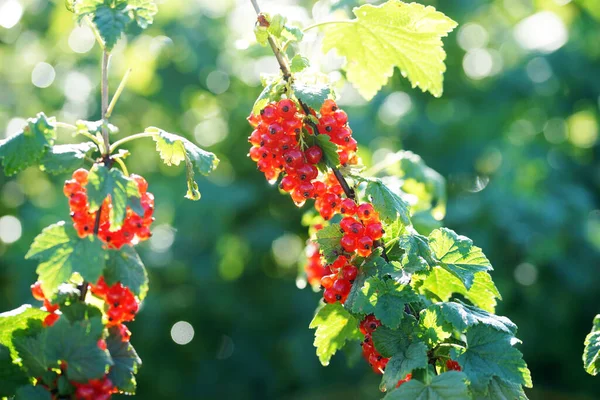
(515, 135)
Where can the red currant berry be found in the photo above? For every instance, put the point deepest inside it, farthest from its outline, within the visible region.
(37, 292)
(313, 154)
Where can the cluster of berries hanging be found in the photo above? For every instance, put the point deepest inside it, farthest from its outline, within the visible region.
(314, 268)
(367, 326)
(38, 294)
(135, 227)
(95, 389)
(276, 149)
(121, 305)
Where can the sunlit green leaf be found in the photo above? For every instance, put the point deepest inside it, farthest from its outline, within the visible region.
(591, 353)
(28, 146)
(447, 386)
(334, 327)
(394, 34)
(61, 252)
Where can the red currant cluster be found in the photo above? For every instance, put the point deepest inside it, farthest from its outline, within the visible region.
(367, 326)
(452, 365)
(38, 294)
(122, 304)
(95, 389)
(338, 285)
(135, 227)
(276, 149)
(334, 123)
(314, 268)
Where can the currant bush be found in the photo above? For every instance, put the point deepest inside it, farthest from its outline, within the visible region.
(91, 281)
(418, 298)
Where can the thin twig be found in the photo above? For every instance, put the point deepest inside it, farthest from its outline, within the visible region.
(129, 138)
(105, 134)
(117, 94)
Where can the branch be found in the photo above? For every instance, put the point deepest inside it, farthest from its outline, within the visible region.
(104, 93)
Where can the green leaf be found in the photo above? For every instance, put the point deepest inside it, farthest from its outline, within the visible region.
(312, 95)
(11, 375)
(591, 352)
(328, 239)
(384, 298)
(447, 386)
(433, 328)
(66, 157)
(76, 344)
(123, 192)
(458, 255)
(292, 33)
(271, 92)
(174, 149)
(61, 252)
(125, 266)
(23, 317)
(330, 155)
(28, 146)
(442, 284)
(417, 255)
(299, 63)
(387, 203)
(462, 317)
(111, 22)
(126, 362)
(499, 389)
(334, 327)
(403, 363)
(31, 392)
(489, 353)
(394, 34)
(391, 341)
(143, 11)
(369, 267)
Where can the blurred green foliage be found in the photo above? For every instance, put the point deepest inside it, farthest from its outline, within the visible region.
(515, 135)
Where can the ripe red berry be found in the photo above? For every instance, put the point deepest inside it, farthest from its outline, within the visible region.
(349, 243)
(330, 296)
(365, 212)
(313, 154)
(269, 113)
(327, 281)
(286, 108)
(374, 230)
(50, 319)
(348, 207)
(452, 365)
(342, 286)
(364, 246)
(81, 176)
(403, 381)
(293, 158)
(349, 272)
(37, 292)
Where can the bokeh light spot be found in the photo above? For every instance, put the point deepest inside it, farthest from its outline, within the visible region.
(544, 32)
(583, 129)
(11, 12)
(10, 229)
(478, 64)
(472, 36)
(43, 75)
(217, 82)
(81, 39)
(526, 274)
(287, 249)
(395, 106)
(182, 332)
